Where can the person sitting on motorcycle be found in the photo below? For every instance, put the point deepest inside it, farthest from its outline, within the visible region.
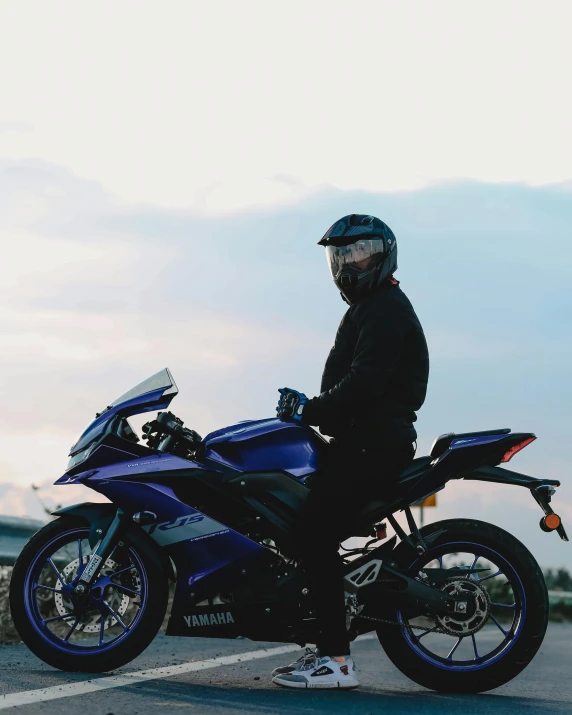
(374, 381)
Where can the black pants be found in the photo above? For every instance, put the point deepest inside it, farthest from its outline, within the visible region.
(352, 477)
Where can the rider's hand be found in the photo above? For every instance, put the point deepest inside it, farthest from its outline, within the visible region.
(291, 404)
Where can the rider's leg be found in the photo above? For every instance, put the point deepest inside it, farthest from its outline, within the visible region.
(318, 537)
(320, 529)
(351, 478)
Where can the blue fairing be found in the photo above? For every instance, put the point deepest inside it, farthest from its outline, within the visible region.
(262, 445)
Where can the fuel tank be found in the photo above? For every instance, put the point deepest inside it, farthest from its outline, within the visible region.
(266, 445)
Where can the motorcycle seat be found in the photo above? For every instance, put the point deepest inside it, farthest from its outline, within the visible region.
(443, 442)
(374, 508)
(416, 468)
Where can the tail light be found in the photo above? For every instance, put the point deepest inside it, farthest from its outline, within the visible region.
(509, 454)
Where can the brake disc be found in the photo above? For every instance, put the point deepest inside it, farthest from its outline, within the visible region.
(118, 601)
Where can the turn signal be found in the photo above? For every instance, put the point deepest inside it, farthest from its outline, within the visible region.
(550, 522)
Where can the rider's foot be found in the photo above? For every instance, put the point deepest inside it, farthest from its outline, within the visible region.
(323, 673)
(309, 656)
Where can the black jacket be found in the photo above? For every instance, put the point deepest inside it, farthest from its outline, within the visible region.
(375, 378)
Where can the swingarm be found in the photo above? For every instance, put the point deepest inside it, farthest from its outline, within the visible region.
(389, 584)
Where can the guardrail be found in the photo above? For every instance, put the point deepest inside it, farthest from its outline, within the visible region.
(14, 533)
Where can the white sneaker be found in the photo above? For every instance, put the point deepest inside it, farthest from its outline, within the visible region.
(323, 673)
(308, 657)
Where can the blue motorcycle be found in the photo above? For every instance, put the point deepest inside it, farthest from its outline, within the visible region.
(458, 605)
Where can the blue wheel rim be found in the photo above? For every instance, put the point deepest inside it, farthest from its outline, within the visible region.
(511, 635)
(31, 587)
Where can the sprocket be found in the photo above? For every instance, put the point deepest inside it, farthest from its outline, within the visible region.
(477, 610)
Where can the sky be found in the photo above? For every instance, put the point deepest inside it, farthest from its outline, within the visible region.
(166, 171)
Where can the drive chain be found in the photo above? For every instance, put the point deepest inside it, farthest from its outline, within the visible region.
(403, 625)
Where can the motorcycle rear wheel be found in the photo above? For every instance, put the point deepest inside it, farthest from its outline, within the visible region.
(126, 608)
(426, 663)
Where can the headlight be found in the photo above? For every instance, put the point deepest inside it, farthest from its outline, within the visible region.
(81, 456)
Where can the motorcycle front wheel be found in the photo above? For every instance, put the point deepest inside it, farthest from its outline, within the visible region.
(506, 611)
(121, 616)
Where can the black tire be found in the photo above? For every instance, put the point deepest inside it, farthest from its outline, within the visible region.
(411, 664)
(125, 651)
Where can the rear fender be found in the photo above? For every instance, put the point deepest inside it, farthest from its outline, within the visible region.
(504, 476)
(100, 516)
(541, 489)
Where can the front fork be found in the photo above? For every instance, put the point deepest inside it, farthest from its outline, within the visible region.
(101, 553)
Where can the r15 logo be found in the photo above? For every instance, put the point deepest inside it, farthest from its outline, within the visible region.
(176, 522)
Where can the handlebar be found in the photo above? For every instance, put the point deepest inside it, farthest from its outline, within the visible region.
(168, 433)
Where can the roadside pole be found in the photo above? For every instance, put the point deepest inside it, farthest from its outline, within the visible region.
(429, 501)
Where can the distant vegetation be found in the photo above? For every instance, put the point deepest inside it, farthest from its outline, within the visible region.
(558, 580)
(7, 631)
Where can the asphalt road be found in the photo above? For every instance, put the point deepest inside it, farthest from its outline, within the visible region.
(191, 680)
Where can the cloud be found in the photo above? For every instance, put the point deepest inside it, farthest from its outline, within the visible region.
(96, 295)
(23, 500)
(237, 104)
(6, 127)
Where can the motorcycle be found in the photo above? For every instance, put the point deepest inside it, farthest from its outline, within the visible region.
(458, 605)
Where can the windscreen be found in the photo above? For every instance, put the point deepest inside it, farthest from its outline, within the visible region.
(161, 380)
(161, 389)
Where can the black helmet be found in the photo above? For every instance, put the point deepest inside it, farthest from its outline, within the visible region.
(351, 241)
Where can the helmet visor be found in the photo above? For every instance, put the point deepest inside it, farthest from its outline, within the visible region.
(361, 255)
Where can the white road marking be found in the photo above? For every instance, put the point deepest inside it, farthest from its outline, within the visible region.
(28, 697)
